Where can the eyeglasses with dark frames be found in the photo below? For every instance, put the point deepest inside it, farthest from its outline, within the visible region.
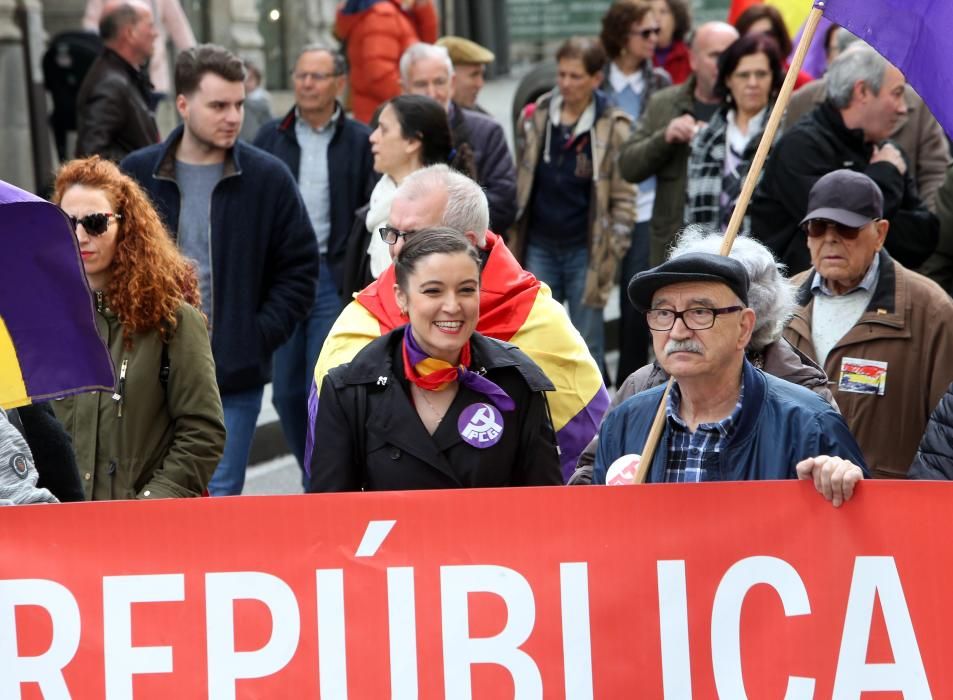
(696, 319)
(647, 32)
(389, 234)
(302, 76)
(815, 228)
(94, 224)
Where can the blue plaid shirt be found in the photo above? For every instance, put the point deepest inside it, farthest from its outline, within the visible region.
(691, 455)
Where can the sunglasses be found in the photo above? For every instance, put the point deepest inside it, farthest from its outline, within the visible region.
(815, 228)
(94, 224)
(646, 33)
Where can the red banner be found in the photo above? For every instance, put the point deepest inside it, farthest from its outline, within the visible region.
(759, 590)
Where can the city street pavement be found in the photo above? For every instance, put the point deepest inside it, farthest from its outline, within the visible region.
(273, 471)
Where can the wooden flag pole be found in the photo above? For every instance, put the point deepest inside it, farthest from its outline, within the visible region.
(737, 216)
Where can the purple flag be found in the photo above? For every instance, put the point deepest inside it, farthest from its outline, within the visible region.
(815, 61)
(911, 34)
(49, 346)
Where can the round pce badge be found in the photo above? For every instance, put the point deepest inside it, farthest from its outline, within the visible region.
(622, 472)
(19, 465)
(481, 425)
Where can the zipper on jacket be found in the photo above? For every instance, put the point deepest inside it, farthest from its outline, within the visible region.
(118, 395)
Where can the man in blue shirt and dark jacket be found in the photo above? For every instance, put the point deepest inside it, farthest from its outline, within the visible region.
(725, 419)
(236, 211)
(330, 156)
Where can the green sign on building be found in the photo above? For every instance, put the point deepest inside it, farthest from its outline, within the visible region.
(557, 19)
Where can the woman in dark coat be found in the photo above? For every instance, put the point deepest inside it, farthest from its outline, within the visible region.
(434, 404)
(934, 458)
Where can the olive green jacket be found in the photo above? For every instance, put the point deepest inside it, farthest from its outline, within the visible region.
(612, 203)
(149, 439)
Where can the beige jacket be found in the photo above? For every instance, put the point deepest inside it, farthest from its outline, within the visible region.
(612, 205)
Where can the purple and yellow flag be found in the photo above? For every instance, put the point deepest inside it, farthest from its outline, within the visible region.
(912, 35)
(48, 341)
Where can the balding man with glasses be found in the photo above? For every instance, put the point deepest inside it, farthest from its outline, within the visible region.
(725, 419)
(883, 333)
(330, 157)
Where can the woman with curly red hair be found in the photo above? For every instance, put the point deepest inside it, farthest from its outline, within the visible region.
(161, 433)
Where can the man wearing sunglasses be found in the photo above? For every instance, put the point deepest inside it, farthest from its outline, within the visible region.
(883, 333)
(725, 419)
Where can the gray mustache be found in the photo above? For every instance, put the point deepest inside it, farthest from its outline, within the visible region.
(682, 346)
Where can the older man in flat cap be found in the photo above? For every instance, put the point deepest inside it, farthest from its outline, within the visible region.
(883, 333)
(469, 68)
(725, 419)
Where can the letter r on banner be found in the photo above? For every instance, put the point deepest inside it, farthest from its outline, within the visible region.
(47, 668)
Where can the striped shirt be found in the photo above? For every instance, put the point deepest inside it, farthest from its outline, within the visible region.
(691, 455)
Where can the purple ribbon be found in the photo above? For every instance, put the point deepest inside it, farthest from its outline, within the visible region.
(470, 379)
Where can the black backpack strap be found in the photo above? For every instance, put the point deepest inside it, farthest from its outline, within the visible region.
(164, 367)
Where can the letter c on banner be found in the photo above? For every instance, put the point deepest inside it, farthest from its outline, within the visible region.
(726, 621)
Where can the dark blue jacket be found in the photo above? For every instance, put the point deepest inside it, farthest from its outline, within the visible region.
(351, 174)
(496, 171)
(780, 424)
(934, 458)
(264, 254)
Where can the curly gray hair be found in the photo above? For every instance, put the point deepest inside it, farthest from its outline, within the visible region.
(771, 294)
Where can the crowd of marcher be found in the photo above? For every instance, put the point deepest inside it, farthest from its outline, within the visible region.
(430, 309)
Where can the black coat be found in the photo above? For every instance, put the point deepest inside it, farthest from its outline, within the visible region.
(934, 458)
(816, 145)
(112, 109)
(368, 434)
(265, 262)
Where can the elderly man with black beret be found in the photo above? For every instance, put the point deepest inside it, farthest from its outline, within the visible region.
(883, 333)
(725, 419)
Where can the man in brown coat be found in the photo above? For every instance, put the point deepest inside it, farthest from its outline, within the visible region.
(113, 105)
(883, 333)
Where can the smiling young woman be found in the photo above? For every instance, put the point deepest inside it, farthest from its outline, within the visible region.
(434, 404)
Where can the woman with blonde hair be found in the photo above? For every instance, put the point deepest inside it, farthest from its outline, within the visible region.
(161, 432)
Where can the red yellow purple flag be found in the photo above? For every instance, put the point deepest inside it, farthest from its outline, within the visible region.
(48, 341)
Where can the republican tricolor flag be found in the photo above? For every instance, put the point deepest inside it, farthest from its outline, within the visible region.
(48, 341)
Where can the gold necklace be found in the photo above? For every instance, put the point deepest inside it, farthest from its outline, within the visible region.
(437, 414)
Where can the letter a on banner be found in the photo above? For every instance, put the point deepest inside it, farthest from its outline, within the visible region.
(875, 576)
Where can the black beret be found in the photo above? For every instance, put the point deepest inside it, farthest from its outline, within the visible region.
(691, 267)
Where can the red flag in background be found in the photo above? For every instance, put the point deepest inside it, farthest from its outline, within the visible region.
(739, 6)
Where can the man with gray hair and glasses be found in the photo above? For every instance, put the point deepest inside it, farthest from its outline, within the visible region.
(725, 419)
(330, 157)
(771, 297)
(865, 100)
(514, 307)
(426, 69)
